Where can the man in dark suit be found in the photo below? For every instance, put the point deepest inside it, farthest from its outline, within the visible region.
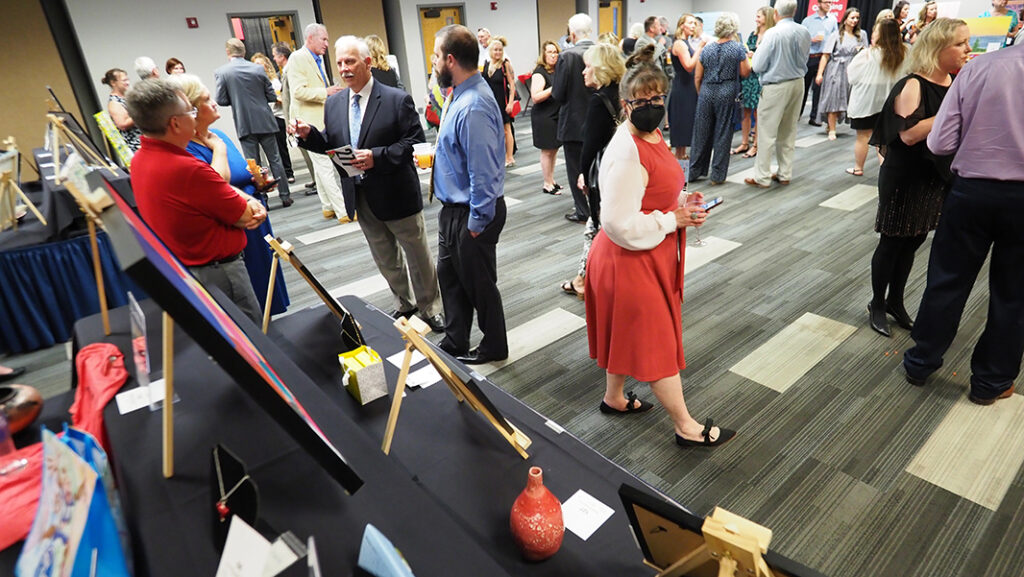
(569, 90)
(245, 87)
(381, 124)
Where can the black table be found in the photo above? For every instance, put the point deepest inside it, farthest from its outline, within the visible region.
(443, 496)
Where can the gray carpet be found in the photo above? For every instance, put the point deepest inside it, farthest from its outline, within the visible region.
(822, 464)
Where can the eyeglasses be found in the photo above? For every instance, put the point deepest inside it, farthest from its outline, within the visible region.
(658, 100)
(193, 113)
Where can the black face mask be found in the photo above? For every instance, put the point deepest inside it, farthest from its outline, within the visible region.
(647, 118)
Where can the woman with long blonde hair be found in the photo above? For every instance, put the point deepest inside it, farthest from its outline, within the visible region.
(380, 68)
(498, 74)
(750, 87)
(872, 75)
(682, 107)
(913, 182)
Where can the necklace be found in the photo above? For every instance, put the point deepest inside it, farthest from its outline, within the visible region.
(222, 503)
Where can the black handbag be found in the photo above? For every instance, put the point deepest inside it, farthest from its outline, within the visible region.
(593, 171)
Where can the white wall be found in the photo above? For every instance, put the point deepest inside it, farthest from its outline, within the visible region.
(516, 20)
(637, 11)
(112, 37)
(745, 9)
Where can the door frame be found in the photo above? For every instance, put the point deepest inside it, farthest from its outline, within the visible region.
(419, 25)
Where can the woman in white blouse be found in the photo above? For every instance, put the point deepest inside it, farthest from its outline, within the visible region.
(634, 281)
(872, 74)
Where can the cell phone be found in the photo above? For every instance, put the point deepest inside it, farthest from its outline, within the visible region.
(712, 203)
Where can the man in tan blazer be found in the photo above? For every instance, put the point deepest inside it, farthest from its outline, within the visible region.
(308, 88)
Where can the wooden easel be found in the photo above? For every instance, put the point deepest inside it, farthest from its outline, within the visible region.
(412, 332)
(87, 152)
(92, 204)
(736, 543)
(10, 192)
(168, 417)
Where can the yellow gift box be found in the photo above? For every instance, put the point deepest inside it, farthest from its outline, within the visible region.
(363, 374)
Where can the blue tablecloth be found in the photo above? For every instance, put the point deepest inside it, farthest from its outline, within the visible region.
(44, 289)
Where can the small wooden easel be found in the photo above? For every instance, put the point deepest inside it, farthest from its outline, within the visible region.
(10, 192)
(168, 417)
(412, 330)
(92, 204)
(736, 543)
(61, 129)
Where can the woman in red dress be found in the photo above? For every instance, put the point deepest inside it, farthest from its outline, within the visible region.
(635, 273)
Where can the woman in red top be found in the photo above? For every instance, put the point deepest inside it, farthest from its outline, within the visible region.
(635, 274)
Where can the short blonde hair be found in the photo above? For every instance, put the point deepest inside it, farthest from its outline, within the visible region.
(235, 47)
(607, 62)
(188, 84)
(727, 25)
(936, 37)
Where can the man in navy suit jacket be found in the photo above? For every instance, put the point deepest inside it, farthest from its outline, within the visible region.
(381, 124)
(245, 87)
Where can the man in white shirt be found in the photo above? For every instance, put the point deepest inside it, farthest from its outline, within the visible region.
(821, 25)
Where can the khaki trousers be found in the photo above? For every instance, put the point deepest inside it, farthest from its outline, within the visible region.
(328, 187)
(777, 114)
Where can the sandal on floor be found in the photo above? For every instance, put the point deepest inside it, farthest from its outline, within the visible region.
(854, 172)
(740, 149)
(568, 288)
(633, 405)
(553, 191)
(724, 436)
(751, 153)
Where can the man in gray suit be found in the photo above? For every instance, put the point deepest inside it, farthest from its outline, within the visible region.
(245, 87)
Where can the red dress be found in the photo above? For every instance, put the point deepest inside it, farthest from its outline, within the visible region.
(634, 321)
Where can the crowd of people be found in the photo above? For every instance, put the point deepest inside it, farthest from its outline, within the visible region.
(607, 105)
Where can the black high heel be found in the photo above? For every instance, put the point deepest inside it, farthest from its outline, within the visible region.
(902, 317)
(879, 322)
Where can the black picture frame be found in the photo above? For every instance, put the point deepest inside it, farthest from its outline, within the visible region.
(666, 532)
(150, 264)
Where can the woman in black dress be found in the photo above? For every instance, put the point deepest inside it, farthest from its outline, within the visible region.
(912, 182)
(682, 107)
(544, 117)
(498, 74)
(380, 68)
(604, 68)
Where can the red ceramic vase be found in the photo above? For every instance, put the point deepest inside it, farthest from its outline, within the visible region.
(536, 519)
(21, 405)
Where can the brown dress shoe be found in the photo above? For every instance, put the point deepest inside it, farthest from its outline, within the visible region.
(980, 401)
(328, 214)
(753, 182)
(776, 178)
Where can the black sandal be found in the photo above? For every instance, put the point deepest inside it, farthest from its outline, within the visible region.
(633, 405)
(554, 191)
(724, 436)
(569, 288)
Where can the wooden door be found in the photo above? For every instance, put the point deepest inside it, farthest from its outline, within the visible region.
(609, 17)
(432, 19)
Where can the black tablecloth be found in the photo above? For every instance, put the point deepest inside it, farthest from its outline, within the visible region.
(443, 495)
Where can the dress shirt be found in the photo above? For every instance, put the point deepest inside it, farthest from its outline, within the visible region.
(817, 24)
(782, 54)
(976, 120)
(364, 98)
(470, 153)
(319, 66)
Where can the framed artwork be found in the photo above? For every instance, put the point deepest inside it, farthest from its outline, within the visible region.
(669, 536)
(150, 264)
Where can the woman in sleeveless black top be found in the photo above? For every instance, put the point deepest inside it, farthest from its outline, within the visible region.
(498, 74)
(544, 116)
(912, 182)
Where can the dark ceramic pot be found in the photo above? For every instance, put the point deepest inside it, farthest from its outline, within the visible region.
(21, 405)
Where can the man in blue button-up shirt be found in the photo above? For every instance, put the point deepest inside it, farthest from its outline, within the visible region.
(469, 180)
(821, 25)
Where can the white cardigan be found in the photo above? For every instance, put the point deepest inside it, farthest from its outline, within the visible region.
(869, 83)
(622, 183)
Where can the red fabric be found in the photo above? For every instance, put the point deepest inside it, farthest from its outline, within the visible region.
(186, 203)
(101, 374)
(19, 495)
(634, 323)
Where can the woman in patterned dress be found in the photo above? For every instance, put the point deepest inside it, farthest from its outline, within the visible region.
(118, 82)
(750, 87)
(840, 48)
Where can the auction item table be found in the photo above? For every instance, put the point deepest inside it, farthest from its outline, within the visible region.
(443, 495)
